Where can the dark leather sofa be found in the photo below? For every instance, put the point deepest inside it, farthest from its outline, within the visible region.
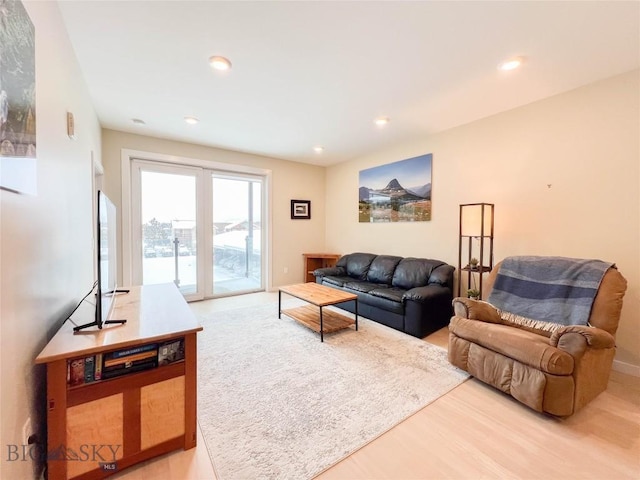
(412, 295)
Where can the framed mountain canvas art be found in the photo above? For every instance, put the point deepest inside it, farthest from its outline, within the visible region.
(396, 192)
(17, 99)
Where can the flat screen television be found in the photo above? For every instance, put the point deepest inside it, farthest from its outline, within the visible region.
(107, 265)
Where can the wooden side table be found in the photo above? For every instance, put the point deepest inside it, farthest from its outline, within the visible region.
(317, 260)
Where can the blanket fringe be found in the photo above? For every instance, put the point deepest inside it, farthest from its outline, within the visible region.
(539, 326)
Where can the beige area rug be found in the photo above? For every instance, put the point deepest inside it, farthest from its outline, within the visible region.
(276, 403)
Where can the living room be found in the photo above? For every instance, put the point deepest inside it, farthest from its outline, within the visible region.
(563, 172)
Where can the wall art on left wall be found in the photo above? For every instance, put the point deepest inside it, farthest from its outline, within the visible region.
(17, 99)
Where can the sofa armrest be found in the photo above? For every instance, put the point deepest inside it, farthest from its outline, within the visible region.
(442, 275)
(335, 271)
(425, 294)
(426, 309)
(475, 310)
(593, 337)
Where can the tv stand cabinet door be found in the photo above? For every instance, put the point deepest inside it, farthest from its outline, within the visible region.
(95, 432)
(162, 412)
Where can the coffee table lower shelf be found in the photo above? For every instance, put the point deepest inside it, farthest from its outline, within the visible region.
(309, 316)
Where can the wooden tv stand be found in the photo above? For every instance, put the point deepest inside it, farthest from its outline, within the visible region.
(98, 428)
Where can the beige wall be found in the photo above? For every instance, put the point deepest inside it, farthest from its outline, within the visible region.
(46, 249)
(584, 144)
(290, 180)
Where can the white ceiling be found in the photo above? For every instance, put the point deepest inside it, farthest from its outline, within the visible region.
(317, 73)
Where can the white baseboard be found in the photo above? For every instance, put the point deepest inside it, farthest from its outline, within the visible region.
(627, 368)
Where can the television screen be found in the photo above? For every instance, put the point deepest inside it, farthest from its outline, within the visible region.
(107, 262)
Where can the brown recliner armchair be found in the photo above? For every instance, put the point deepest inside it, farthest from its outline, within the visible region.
(557, 373)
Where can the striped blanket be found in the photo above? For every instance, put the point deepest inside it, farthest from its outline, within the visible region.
(551, 289)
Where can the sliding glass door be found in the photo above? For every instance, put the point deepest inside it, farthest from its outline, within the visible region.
(173, 209)
(237, 234)
(166, 228)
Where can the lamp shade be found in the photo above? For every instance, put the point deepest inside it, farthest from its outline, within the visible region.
(476, 219)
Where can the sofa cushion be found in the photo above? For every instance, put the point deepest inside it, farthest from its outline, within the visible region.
(337, 281)
(382, 269)
(390, 293)
(357, 265)
(389, 299)
(413, 272)
(359, 286)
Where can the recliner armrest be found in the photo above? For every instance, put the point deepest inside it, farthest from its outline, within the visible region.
(475, 310)
(594, 337)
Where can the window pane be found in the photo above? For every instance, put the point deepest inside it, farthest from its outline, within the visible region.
(237, 240)
(169, 229)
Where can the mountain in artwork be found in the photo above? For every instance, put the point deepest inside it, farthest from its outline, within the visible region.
(423, 191)
(396, 191)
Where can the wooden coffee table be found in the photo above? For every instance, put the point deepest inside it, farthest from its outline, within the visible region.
(313, 316)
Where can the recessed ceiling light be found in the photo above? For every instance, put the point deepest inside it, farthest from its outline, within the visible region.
(220, 63)
(191, 120)
(511, 64)
(137, 121)
(381, 121)
(318, 149)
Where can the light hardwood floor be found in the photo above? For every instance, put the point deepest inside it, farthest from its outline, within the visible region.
(472, 432)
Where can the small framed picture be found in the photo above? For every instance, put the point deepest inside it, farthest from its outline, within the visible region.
(300, 209)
